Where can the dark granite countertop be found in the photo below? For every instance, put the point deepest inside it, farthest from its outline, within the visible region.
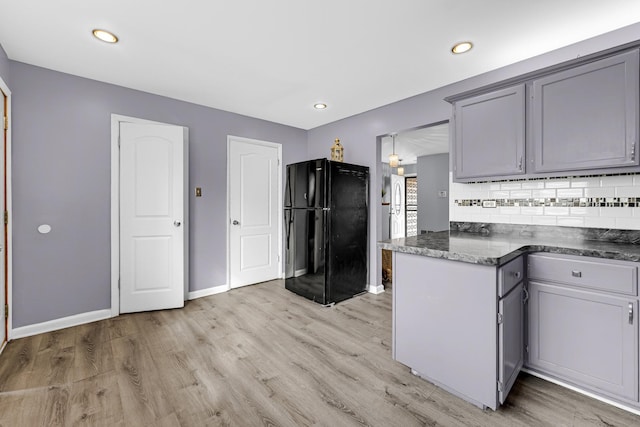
(496, 244)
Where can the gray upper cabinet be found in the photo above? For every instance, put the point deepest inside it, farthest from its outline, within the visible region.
(570, 119)
(490, 135)
(587, 117)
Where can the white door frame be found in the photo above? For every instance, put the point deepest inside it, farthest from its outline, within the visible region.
(116, 119)
(9, 247)
(280, 210)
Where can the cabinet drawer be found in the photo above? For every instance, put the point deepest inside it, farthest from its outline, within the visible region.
(586, 272)
(509, 275)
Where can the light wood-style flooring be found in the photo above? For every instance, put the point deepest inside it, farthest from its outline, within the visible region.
(255, 356)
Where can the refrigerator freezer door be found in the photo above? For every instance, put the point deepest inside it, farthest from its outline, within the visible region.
(306, 184)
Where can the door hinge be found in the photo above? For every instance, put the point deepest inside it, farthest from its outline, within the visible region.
(6, 311)
(500, 387)
(6, 123)
(278, 162)
(118, 283)
(6, 217)
(500, 318)
(526, 349)
(525, 295)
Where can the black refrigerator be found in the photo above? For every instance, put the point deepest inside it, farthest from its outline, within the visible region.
(326, 230)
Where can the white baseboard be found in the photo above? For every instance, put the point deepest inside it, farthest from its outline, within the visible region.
(209, 291)
(376, 289)
(4, 345)
(581, 391)
(62, 323)
(300, 272)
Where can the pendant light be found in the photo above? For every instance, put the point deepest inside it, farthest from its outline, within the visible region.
(394, 159)
(400, 171)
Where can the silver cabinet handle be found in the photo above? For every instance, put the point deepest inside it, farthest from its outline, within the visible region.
(235, 222)
(520, 164)
(177, 223)
(631, 313)
(576, 273)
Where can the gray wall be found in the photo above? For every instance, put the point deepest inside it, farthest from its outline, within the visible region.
(433, 176)
(61, 176)
(361, 134)
(4, 67)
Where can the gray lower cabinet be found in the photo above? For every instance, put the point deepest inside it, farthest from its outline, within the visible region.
(510, 339)
(490, 135)
(582, 323)
(450, 326)
(587, 117)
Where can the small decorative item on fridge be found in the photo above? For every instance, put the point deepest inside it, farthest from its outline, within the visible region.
(337, 151)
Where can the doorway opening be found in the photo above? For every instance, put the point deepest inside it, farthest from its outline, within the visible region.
(415, 191)
(5, 293)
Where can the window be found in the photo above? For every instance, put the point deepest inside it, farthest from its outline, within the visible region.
(411, 207)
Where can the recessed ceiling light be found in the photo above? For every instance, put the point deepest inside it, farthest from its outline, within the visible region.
(461, 47)
(320, 106)
(105, 36)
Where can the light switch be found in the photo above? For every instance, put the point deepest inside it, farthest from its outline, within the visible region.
(198, 192)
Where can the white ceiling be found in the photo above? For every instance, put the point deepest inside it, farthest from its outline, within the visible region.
(416, 143)
(274, 59)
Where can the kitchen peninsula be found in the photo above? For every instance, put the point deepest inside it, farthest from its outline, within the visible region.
(473, 305)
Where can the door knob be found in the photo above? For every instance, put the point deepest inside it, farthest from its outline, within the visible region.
(235, 222)
(177, 223)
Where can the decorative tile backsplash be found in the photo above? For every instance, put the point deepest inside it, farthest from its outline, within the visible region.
(626, 202)
(594, 201)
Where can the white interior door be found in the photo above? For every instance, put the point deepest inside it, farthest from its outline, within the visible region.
(254, 211)
(3, 287)
(398, 226)
(153, 212)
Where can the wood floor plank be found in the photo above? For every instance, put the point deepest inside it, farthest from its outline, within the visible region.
(93, 355)
(255, 356)
(20, 356)
(95, 402)
(143, 401)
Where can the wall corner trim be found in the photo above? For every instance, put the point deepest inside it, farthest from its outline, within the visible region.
(62, 323)
(376, 289)
(207, 292)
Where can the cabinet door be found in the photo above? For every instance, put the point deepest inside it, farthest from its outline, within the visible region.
(490, 134)
(587, 117)
(510, 340)
(584, 337)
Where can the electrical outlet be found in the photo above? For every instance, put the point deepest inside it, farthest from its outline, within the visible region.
(488, 203)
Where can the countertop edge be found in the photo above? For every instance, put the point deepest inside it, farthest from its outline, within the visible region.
(475, 259)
